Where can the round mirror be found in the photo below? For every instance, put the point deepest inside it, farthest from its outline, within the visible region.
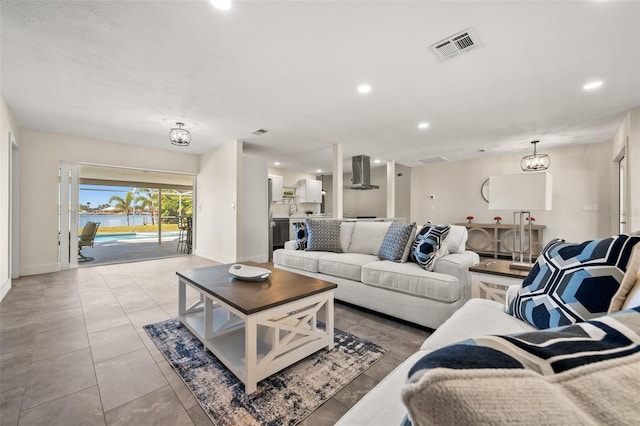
(484, 190)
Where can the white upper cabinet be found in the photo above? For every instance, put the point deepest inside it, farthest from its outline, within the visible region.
(276, 187)
(309, 191)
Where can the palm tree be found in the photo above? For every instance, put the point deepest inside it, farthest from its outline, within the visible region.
(126, 204)
(149, 198)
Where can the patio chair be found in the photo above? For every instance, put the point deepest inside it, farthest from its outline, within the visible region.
(85, 239)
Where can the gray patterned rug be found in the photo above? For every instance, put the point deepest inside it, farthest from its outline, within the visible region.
(285, 398)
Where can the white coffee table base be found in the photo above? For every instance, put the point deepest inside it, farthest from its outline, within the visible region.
(255, 346)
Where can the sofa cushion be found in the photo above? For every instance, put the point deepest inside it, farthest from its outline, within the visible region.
(564, 375)
(345, 265)
(628, 282)
(428, 246)
(299, 259)
(573, 282)
(456, 240)
(346, 230)
(477, 317)
(394, 244)
(300, 230)
(411, 279)
(633, 298)
(367, 237)
(323, 235)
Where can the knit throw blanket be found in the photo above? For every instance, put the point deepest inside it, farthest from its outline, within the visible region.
(587, 373)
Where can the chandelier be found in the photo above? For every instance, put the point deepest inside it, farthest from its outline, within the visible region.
(535, 162)
(179, 136)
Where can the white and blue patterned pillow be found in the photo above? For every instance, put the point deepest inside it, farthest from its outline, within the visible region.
(300, 230)
(571, 283)
(323, 235)
(427, 246)
(395, 242)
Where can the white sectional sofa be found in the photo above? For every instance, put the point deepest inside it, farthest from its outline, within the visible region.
(383, 405)
(402, 290)
(494, 368)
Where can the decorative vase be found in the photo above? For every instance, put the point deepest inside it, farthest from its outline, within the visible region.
(469, 220)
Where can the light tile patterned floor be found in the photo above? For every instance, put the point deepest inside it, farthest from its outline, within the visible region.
(73, 351)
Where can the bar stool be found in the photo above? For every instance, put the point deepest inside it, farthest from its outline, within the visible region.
(189, 237)
(182, 234)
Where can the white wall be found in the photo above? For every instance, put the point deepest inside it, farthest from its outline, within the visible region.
(627, 139)
(8, 125)
(373, 202)
(40, 153)
(581, 177)
(254, 210)
(218, 236)
(403, 191)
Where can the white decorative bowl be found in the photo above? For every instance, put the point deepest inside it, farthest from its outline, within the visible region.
(249, 273)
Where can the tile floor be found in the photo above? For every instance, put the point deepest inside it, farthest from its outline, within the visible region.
(107, 252)
(73, 351)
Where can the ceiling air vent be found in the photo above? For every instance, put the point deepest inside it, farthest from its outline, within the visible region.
(259, 132)
(431, 160)
(456, 45)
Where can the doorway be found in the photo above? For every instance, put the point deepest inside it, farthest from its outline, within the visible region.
(137, 214)
(622, 165)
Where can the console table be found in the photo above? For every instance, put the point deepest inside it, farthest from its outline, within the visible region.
(496, 239)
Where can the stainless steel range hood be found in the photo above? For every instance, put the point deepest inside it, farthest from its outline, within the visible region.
(361, 173)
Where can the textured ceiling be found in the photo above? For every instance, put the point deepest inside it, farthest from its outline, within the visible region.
(126, 71)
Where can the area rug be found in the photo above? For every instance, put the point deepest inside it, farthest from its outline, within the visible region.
(286, 398)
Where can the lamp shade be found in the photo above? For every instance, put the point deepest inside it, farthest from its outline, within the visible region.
(523, 191)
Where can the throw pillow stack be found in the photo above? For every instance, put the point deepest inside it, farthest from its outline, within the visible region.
(401, 242)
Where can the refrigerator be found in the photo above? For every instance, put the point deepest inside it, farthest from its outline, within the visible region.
(270, 221)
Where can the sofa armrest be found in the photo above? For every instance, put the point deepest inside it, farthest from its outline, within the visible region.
(290, 245)
(458, 264)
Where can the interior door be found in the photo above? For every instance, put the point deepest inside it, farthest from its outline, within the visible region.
(621, 195)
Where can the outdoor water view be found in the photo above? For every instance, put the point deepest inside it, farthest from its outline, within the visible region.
(129, 212)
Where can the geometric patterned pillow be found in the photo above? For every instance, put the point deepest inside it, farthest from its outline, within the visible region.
(323, 235)
(301, 235)
(428, 247)
(571, 283)
(395, 241)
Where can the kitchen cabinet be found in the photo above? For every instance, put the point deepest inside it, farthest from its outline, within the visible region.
(309, 191)
(276, 187)
(280, 232)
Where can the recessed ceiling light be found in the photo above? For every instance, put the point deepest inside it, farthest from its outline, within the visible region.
(221, 4)
(376, 161)
(592, 85)
(277, 163)
(423, 125)
(318, 171)
(364, 88)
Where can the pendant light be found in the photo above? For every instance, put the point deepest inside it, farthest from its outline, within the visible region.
(535, 162)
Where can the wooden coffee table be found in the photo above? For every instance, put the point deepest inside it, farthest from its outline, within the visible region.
(257, 328)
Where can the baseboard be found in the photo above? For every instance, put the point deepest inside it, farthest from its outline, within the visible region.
(213, 256)
(256, 259)
(4, 289)
(39, 269)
